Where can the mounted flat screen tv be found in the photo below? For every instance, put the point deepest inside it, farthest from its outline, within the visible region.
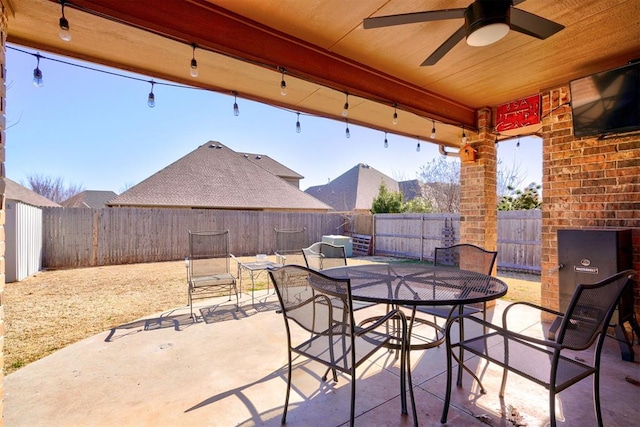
(607, 102)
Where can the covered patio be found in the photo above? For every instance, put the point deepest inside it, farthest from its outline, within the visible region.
(230, 369)
(328, 62)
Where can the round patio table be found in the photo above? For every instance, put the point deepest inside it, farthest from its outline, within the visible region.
(413, 285)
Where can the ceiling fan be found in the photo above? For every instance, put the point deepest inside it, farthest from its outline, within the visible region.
(485, 22)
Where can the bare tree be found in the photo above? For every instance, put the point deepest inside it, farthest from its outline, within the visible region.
(52, 188)
(508, 179)
(441, 176)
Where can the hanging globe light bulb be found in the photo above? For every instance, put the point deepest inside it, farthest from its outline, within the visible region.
(64, 27)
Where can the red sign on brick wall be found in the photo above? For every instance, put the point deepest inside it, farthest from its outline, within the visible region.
(518, 114)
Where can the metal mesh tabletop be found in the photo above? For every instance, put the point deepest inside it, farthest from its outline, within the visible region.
(415, 284)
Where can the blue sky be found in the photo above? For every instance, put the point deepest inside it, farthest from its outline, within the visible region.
(96, 130)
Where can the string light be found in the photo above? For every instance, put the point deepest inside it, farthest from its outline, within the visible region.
(37, 74)
(395, 114)
(151, 100)
(418, 146)
(283, 84)
(194, 63)
(298, 127)
(386, 143)
(433, 129)
(345, 108)
(464, 136)
(236, 110)
(346, 132)
(518, 144)
(64, 26)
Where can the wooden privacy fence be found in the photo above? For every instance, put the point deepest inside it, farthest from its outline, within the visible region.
(417, 236)
(74, 237)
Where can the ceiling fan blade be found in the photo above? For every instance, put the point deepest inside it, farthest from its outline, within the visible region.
(533, 25)
(410, 18)
(445, 47)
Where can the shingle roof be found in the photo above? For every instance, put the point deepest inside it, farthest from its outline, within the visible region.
(19, 193)
(95, 199)
(354, 189)
(276, 168)
(214, 176)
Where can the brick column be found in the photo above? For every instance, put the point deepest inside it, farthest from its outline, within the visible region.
(3, 93)
(478, 192)
(586, 182)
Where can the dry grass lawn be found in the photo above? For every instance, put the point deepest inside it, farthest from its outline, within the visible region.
(53, 309)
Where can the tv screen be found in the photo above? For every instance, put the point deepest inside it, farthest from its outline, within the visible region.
(607, 102)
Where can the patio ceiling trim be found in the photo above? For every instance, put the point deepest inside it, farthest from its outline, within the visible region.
(219, 30)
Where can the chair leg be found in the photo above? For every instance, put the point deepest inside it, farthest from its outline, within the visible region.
(447, 395)
(596, 396)
(353, 397)
(552, 407)
(286, 399)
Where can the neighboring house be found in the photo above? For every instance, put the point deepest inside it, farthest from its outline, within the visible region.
(410, 189)
(94, 199)
(19, 193)
(23, 230)
(354, 190)
(215, 177)
(276, 168)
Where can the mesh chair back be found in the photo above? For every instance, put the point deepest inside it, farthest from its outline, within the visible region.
(291, 241)
(321, 255)
(208, 253)
(466, 257)
(317, 303)
(590, 310)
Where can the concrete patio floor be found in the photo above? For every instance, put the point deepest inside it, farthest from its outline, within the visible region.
(229, 369)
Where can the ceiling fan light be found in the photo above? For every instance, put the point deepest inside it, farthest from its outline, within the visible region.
(488, 34)
(487, 22)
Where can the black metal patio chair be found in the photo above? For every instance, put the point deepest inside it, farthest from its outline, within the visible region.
(322, 306)
(289, 244)
(208, 266)
(322, 255)
(545, 361)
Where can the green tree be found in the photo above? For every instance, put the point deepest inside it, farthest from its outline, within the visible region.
(521, 199)
(387, 201)
(419, 205)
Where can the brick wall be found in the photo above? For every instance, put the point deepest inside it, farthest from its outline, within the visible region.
(478, 195)
(586, 182)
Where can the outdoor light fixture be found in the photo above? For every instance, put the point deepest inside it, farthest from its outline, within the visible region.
(236, 110)
(194, 63)
(298, 127)
(283, 84)
(487, 22)
(64, 26)
(37, 74)
(433, 129)
(464, 136)
(151, 101)
(395, 114)
(345, 109)
(386, 143)
(346, 132)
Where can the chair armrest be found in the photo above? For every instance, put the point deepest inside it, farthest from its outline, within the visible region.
(502, 332)
(527, 304)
